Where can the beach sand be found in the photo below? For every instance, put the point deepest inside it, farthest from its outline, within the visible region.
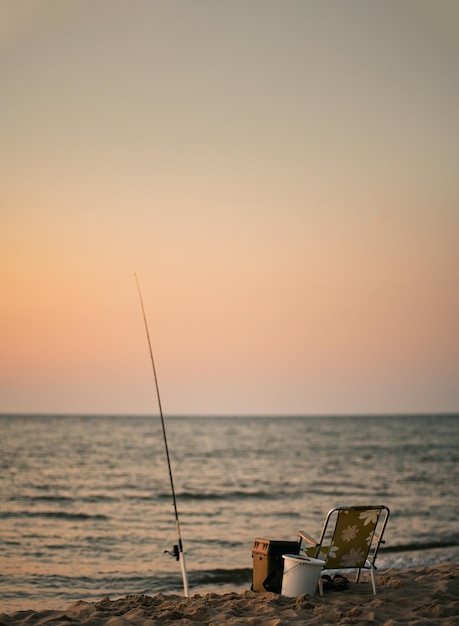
(427, 595)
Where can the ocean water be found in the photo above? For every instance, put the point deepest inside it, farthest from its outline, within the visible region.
(86, 508)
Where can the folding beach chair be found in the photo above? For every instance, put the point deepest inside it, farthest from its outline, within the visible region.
(350, 539)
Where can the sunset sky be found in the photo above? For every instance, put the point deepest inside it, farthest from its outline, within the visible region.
(282, 176)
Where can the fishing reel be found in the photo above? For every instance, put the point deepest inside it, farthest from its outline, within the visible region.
(175, 553)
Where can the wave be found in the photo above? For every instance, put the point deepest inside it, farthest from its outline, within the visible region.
(415, 547)
(221, 576)
(226, 495)
(90, 499)
(52, 515)
(40, 498)
(282, 492)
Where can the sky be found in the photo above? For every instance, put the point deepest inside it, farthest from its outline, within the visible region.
(282, 177)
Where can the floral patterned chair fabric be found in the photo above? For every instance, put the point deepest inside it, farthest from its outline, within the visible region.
(350, 539)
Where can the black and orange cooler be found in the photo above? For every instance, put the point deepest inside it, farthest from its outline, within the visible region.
(268, 564)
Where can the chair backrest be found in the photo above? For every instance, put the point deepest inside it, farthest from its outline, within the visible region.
(351, 536)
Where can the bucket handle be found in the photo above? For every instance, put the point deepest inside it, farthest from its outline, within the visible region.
(303, 559)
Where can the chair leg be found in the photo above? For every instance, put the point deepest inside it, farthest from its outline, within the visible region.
(321, 588)
(373, 583)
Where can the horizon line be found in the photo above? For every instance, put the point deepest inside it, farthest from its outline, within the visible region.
(228, 415)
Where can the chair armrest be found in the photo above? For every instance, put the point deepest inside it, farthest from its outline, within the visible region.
(304, 535)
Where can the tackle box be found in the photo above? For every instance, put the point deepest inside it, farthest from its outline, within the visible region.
(268, 564)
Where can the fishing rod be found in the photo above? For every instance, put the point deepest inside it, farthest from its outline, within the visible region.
(178, 549)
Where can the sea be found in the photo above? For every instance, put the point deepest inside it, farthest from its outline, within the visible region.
(86, 505)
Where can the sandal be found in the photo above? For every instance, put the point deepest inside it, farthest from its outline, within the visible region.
(327, 582)
(340, 583)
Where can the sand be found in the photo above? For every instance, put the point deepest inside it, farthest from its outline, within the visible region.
(428, 595)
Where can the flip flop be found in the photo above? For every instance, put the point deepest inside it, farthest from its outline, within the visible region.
(337, 583)
(340, 583)
(327, 583)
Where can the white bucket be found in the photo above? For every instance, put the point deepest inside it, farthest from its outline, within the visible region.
(301, 575)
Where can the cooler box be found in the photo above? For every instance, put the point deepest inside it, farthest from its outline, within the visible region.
(268, 564)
